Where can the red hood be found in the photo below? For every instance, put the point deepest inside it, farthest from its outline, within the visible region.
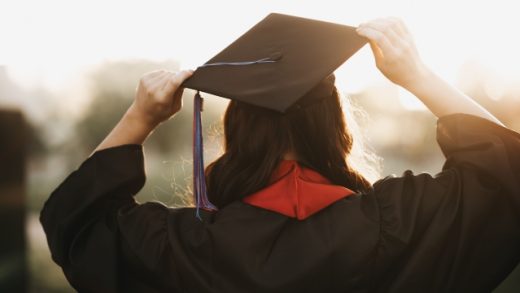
(297, 192)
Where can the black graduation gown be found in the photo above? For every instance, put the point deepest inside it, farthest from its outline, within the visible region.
(457, 231)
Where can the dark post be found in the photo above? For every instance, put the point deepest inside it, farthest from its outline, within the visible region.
(13, 262)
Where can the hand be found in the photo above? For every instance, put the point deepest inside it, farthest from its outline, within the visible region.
(397, 58)
(394, 51)
(158, 97)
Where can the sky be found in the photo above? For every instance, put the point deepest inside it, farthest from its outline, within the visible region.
(51, 44)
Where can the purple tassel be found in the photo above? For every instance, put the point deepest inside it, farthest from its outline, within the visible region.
(199, 179)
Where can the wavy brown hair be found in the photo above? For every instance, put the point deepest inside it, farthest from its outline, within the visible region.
(257, 139)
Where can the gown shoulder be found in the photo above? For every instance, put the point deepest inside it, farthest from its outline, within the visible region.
(455, 231)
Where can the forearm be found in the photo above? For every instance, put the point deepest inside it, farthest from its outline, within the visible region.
(444, 99)
(129, 130)
(397, 58)
(158, 98)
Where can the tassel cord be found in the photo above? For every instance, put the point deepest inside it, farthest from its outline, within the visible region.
(199, 178)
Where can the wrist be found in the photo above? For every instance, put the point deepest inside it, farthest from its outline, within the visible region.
(422, 77)
(131, 129)
(139, 120)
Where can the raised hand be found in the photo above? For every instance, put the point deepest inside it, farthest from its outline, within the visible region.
(159, 96)
(394, 50)
(397, 58)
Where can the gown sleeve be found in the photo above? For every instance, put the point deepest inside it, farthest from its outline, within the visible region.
(81, 221)
(457, 231)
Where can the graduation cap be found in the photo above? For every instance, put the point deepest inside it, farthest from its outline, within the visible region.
(274, 65)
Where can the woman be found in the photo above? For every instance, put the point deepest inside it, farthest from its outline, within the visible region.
(458, 231)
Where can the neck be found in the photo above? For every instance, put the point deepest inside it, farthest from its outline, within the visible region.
(290, 156)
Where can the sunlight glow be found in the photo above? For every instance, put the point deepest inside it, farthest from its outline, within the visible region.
(52, 43)
(409, 101)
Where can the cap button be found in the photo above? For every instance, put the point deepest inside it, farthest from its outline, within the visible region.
(275, 56)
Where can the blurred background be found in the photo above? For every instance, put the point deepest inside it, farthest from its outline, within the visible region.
(69, 69)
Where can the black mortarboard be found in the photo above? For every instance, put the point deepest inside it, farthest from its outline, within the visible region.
(273, 65)
(277, 61)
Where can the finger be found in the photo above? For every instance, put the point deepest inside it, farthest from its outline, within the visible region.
(157, 78)
(175, 81)
(153, 74)
(403, 29)
(378, 38)
(159, 82)
(148, 89)
(177, 100)
(376, 50)
(399, 35)
(177, 96)
(166, 81)
(392, 23)
(388, 28)
(148, 80)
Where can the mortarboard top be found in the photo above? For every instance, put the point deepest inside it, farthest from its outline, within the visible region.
(273, 65)
(277, 61)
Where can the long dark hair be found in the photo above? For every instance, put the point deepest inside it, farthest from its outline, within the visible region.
(256, 140)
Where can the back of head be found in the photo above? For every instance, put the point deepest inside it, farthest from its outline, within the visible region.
(256, 140)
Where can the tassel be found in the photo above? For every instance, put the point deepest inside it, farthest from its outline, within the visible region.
(199, 178)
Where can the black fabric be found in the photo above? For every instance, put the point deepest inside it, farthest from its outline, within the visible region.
(294, 54)
(457, 231)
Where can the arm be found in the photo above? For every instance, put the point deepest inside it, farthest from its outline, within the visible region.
(158, 98)
(93, 224)
(464, 220)
(397, 58)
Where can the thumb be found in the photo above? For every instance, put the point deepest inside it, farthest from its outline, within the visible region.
(378, 54)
